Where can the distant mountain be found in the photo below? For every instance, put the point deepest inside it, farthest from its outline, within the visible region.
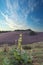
(27, 31)
(24, 30)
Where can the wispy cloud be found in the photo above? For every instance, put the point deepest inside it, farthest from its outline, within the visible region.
(17, 13)
(32, 4)
(18, 5)
(36, 20)
(18, 19)
(12, 24)
(8, 21)
(9, 6)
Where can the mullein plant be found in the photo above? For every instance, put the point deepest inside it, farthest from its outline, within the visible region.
(20, 42)
(21, 54)
(18, 56)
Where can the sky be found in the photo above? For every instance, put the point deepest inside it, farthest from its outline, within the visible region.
(21, 14)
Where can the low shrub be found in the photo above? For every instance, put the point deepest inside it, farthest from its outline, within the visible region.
(17, 58)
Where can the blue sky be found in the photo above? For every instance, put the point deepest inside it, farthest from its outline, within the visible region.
(21, 14)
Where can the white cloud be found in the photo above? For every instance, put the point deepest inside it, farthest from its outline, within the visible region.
(12, 24)
(32, 4)
(9, 6)
(18, 19)
(13, 19)
(36, 20)
(8, 21)
(13, 8)
(29, 8)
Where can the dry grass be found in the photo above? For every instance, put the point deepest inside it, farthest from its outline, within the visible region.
(37, 52)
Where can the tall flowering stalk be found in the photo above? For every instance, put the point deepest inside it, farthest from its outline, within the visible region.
(20, 42)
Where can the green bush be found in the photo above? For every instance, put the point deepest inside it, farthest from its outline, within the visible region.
(17, 57)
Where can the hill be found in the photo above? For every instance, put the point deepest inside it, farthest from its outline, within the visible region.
(29, 36)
